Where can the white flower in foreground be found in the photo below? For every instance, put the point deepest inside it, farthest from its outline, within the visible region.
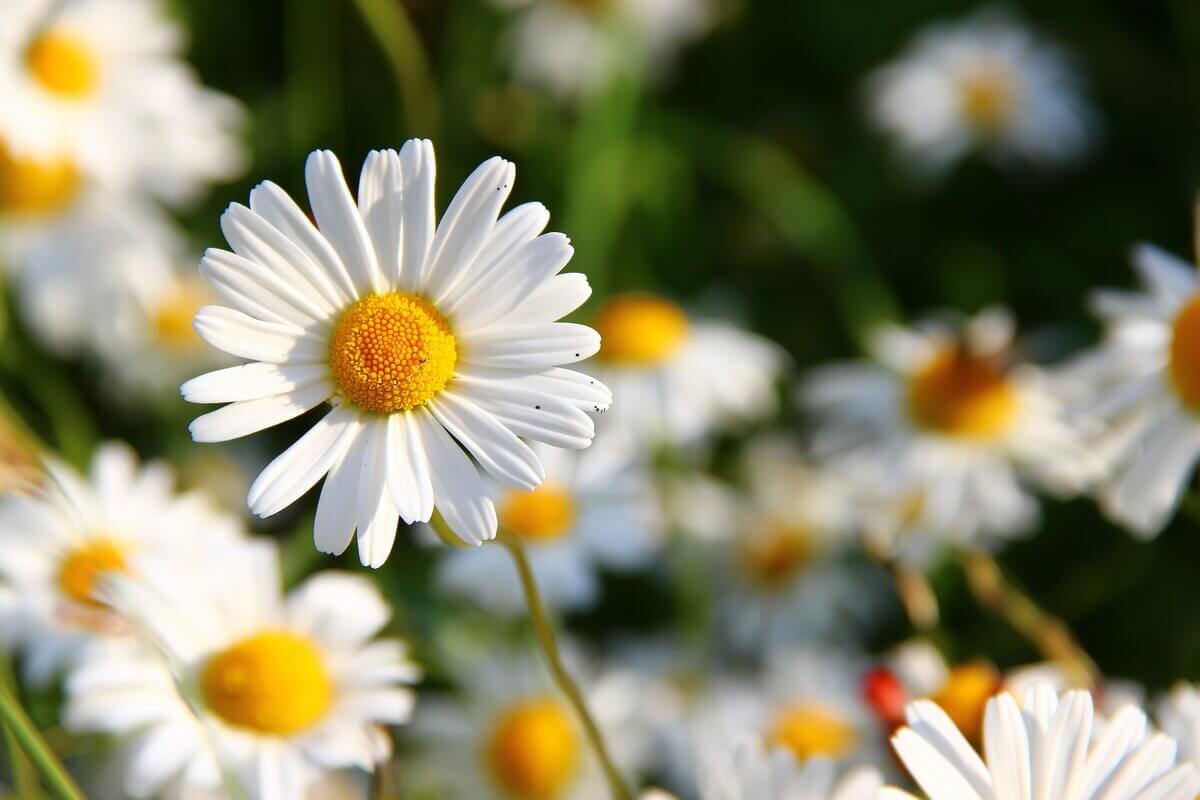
(437, 346)
(1143, 383)
(985, 83)
(1047, 749)
(679, 379)
(56, 544)
(572, 47)
(510, 735)
(99, 84)
(942, 433)
(1178, 714)
(270, 691)
(586, 517)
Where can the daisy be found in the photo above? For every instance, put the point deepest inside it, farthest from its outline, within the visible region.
(986, 84)
(58, 541)
(572, 47)
(679, 379)
(1044, 750)
(243, 685)
(585, 518)
(942, 433)
(1143, 383)
(99, 85)
(751, 772)
(436, 346)
(510, 735)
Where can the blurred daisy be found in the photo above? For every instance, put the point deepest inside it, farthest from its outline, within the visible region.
(572, 47)
(57, 542)
(783, 577)
(1178, 714)
(679, 379)
(586, 517)
(510, 735)
(98, 86)
(437, 346)
(751, 772)
(1143, 383)
(265, 692)
(942, 431)
(1046, 749)
(985, 84)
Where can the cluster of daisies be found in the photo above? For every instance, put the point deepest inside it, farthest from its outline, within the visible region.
(424, 361)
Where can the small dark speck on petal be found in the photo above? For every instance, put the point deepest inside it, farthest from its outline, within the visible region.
(539, 408)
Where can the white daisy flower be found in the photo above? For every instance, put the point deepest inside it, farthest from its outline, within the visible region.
(244, 685)
(986, 83)
(99, 83)
(1044, 750)
(679, 379)
(57, 542)
(1178, 714)
(942, 433)
(437, 346)
(1143, 383)
(585, 518)
(572, 47)
(752, 772)
(510, 734)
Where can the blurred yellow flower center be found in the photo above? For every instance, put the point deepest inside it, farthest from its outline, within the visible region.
(172, 317)
(964, 696)
(63, 64)
(808, 730)
(640, 330)
(989, 96)
(30, 186)
(961, 395)
(273, 683)
(1185, 354)
(542, 515)
(392, 352)
(772, 558)
(81, 570)
(533, 751)
(591, 6)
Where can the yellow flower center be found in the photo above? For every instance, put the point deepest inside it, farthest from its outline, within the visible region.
(640, 330)
(171, 319)
(542, 515)
(30, 186)
(808, 730)
(961, 395)
(83, 567)
(63, 64)
(1184, 367)
(392, 352)
(965, 694)
(273, 683)
(989, 95)
(772, 558)
(533, 751)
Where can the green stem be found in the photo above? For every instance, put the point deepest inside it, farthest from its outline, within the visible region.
(24, 775)
(549, 647)
(26, 733)
(389, 23)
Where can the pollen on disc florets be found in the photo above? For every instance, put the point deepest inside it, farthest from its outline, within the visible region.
(392, 352)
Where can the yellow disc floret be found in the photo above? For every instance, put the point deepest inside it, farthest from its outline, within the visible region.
(962, 395)
(640, 330)
(775, 556)
(542, 515)
(273, 683)
(34, 186)
(808, 730)
(392, 352)
(965, 694)
(989, 95)
(81, 570)
(63, 64)
(1185, 354)
(172, 315)
(533, 751)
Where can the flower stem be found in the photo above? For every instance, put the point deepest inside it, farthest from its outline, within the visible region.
(1048, 633)
(26, 733)
(544, 631)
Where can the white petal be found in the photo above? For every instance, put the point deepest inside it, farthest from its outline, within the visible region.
(495, 294)
(256, 290)
(251, 381)
(531, 346)
(241, 419)
(459, 492)
(1006, 744)
(930, 769)
(377, 516)
(244, 336)
(419, 169)
(333, 527)
(297, 469)
(495, 447)
(554, 299)
(381, 205)
(408, 470)
(547, 419)
(338, 219)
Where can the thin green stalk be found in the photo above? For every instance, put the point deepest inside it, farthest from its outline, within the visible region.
(544, 631)
(389, 22)
(30, 739)
(24, 775)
